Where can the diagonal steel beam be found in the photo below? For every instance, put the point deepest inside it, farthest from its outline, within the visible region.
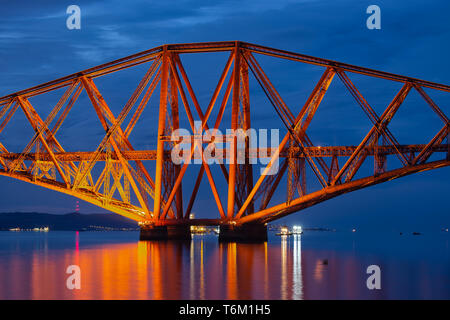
(431, 103)
(283, 112)
(31, 115)
(6, 108)
(98, 106)
(11, 112)
(216, 126)
(175, 61)
(109, 115)
(385, 119)
(66, 111)
(110, 131)
(315, 98)
(44, 127)
(283, 209)
(377, 128)
(306, 115)
(370, 113)
(143, 104)
(427, 151)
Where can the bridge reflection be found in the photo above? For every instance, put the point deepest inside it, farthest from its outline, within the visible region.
(199, 269)
(33, 266)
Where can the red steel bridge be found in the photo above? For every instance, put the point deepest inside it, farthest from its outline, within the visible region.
(116, 175)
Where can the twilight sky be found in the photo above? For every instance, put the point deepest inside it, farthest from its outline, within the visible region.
(36, 46)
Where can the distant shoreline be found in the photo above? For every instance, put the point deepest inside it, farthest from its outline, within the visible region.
(30, 221)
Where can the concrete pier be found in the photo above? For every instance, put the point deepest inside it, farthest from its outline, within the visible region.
(177, 232)
(250, 233)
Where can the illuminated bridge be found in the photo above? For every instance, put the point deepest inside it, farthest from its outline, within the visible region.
(145, 185)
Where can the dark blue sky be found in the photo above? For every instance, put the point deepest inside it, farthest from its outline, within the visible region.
(36, 46)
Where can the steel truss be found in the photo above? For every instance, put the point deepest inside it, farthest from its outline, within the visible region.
(126, 187)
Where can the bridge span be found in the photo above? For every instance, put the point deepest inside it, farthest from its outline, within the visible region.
(146, 185)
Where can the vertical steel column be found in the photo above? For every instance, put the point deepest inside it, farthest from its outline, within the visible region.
(379, 160)
(234, 125)
(448, 146)
(161, 125)
(175, 126)
(247, 126)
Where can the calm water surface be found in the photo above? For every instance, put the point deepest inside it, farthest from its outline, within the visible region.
(115, 265)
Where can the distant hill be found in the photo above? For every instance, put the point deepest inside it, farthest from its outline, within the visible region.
(66, 222)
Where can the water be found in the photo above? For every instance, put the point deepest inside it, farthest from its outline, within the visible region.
(115, 265)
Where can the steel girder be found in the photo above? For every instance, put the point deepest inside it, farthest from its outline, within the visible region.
(125, 185)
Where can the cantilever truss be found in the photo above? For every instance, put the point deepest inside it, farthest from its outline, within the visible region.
(126, 186)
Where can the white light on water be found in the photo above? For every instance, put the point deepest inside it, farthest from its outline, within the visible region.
(284, 230)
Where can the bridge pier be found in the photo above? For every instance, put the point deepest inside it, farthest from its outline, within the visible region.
(155, 233)
(250, 233)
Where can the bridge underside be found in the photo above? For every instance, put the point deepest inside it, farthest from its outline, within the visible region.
(149, 187)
